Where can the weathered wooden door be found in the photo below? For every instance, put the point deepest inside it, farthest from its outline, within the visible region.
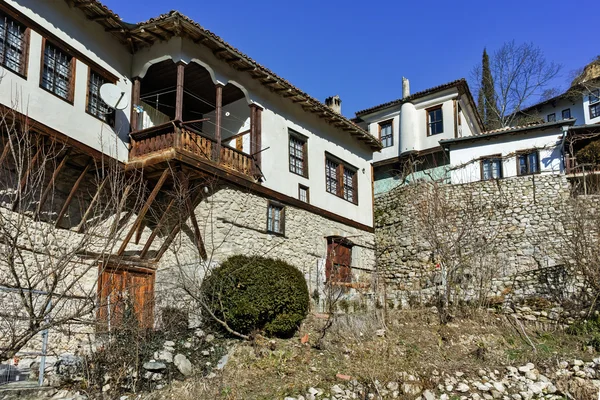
(125, 293)
(339, 259)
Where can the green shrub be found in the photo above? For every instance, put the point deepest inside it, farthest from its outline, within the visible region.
(257, 293)
(590, 154)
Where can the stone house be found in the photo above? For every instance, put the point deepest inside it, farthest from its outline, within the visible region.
(267, 169)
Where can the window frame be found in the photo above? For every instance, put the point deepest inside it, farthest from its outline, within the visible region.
(428, 111)
(526, 153)
(553, 119)
(383, 124)
(562, 113)
(340, 169)
(491, 158)
(596, 107)
(110, 121)
(307, 190)
(24, 66)
(293, 135)
(272, 205)
(71, 88)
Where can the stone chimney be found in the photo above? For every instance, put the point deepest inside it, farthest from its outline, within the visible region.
(405, 88)
(335, 103)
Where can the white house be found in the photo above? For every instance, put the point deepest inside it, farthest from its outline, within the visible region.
(506, 152)
(411, 127)
(292, 176)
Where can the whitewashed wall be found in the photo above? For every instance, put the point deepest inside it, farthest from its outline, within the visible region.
(464, 158)
(576, 106)
(25, 95)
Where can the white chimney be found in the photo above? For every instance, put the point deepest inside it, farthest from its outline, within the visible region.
(335, 103)
(405, 88)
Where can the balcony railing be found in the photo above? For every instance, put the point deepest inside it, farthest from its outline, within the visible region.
(176, 136)
(573, 167)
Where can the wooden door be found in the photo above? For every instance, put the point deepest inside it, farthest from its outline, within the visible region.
(122, 291)
(339, 259)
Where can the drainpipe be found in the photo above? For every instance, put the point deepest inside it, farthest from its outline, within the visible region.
(565, 130)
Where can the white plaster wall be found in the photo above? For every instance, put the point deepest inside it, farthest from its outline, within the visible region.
(278, 116)
(465, 157)
(394, 115)
(26, 96)
(423, 141)
(578, 110)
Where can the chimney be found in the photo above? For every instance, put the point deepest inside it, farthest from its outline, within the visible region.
(405, 88)
(335, 103)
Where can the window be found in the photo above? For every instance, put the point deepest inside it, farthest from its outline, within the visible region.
(566, 114)
(95, 105)
(57, 72)
(339, 259)
(13, 45)
(435, 121)
(386, 133)
(551, 117)
(303, 194)
(491, 168)
(528, 162)
(298, 155)
(341, 180)
(275, 218)
(594, 96)
(595, 110)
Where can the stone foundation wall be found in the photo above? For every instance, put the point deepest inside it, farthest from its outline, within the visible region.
(512, 229)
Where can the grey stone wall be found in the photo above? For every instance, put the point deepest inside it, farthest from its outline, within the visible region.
(514, 228)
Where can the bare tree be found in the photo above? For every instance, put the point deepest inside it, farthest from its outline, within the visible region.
(59, 222)
(521, 74)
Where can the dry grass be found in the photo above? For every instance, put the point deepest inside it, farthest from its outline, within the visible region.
(414, 343)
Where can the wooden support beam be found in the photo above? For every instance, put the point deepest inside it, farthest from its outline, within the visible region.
(156, 35)
(138, 234)
(50, 185)
(72, 194)
(83, 4)
(246, 69)
(179, 92)
(218, 51)
(197, 233)
(161, 222)
(100, 17)
(90, 208)
(135, 100)
(143, 211)
(218, 121)
(23, 181)
(5, 151)
(174, 231)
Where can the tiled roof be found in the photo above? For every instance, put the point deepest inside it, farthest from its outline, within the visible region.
(173, 23)
(413, 96)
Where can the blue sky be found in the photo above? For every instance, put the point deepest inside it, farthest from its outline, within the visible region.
(361, 50)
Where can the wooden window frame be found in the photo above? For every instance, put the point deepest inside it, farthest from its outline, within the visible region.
(563, 113)
(293, 135)
(428, 122)
(381, 124)
(527, 153)
(553, 115)
(273, 204)
(594, 94)
(340, 187)
(307, 190)
(109, 122)
(71, 95)
(489, 158)
(23, 68)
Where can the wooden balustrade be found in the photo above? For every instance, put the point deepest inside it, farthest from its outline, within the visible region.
(172, 135)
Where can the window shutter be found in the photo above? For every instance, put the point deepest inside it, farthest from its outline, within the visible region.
(305, 158)
(282, 221)
(355, 187)
(25, 61)
(72, 80)
(340, 180)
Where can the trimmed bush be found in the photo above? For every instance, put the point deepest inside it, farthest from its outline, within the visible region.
(590, 154)
(257, 293)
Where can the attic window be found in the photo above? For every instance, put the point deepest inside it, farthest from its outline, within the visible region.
(386, 133)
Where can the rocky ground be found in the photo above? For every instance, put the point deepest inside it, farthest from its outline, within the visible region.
(407, 355)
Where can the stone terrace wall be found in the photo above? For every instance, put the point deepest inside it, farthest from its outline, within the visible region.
(523, 214)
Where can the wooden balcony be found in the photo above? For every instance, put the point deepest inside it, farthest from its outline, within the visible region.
(574, 168)
(175, 141)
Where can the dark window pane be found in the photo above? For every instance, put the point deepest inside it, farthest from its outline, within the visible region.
(566, 113)
(12, 44)
(551, 117)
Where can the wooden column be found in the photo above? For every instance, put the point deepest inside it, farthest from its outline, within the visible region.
(255, 135)
(135, 100)
(179, 92)
(218, 120)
